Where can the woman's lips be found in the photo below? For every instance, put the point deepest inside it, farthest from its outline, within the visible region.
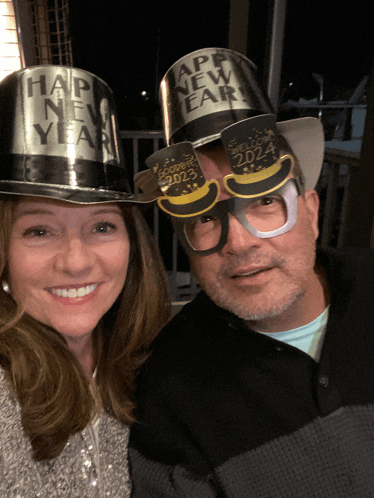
(73, 294)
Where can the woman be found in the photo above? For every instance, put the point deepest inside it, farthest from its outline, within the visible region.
(83, 290)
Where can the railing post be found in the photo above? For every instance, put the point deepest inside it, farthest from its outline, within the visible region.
(331, 195)
(360, 204)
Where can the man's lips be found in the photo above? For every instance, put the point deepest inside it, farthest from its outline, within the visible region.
(249, 272)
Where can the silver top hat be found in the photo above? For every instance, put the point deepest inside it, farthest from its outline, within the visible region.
(210, 89)
(59, 137)
(206, 91)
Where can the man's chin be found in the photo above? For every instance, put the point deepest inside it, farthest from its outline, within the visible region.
(255, 307)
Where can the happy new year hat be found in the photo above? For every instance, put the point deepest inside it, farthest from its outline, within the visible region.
(59, 137)
(206, 91)
(251, 147)
(211, 89)
(181, 181)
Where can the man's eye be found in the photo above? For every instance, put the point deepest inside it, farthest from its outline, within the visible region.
(207, 218)
(204, 219)
(266, 201)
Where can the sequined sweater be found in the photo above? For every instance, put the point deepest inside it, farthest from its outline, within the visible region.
(225, 412)
(90, 466)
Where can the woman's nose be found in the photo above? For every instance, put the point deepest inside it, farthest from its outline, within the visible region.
(75, 256)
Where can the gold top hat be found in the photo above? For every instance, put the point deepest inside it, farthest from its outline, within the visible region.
(59, 137)
(180, 179)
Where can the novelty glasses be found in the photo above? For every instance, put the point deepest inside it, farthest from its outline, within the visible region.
(264, 217)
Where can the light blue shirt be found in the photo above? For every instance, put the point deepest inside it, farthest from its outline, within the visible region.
(308, 338)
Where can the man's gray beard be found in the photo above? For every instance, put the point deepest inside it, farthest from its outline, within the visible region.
(271, 304)
(269, 309)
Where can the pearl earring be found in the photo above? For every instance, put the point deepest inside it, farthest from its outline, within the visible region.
(5, 286)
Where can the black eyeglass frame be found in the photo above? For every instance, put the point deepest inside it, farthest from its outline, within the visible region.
(289, 191)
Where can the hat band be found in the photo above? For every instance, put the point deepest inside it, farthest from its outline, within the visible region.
(191, 196)
(259, 176)
(202, 129)
(55, 170)
(203, 200)
(262, 186)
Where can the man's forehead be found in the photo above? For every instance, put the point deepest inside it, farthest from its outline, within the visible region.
(215, 165)
(213, 155)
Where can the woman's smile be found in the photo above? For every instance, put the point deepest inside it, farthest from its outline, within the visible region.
(74, 294)
(62, 255)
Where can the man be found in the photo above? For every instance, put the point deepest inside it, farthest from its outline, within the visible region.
(263, 385)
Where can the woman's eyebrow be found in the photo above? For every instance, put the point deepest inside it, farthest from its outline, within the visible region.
(108, 210)
(27, 212)
(44, 211)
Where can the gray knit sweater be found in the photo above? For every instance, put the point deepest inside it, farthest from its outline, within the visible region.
(225, 412)
(93, 463)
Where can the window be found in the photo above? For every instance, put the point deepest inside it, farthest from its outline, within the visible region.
(10, 59)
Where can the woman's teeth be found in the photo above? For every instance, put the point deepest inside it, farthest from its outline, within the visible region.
(80, 292)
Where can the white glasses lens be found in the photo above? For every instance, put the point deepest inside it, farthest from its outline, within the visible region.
(203, 232)
(267, 213)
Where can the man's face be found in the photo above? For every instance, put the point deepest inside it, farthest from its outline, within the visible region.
(269, 282)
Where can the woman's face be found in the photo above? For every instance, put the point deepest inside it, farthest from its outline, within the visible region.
(67, 263)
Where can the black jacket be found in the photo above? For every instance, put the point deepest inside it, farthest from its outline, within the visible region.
(226, 412)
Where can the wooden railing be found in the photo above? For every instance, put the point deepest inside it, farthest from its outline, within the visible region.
(333, 188)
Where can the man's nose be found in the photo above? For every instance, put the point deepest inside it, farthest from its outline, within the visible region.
(238, 238)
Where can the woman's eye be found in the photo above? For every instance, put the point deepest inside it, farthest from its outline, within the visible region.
(104, 227)
(35, 232)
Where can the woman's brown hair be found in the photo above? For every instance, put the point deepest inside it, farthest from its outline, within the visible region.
(55, 396)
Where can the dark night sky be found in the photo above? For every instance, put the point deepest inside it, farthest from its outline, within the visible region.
(131, 44)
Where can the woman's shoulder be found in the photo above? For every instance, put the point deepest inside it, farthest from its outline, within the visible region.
(7, 399)
(3, 382)
(11, 433)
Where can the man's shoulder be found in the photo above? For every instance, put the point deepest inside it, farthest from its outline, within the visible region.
(189, 324)
(201, 311)
(350, 264)
(189, 337)
(350, 275)
(348, 254)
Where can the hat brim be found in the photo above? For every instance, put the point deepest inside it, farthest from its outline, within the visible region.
(193, 208)
(261, 187)
(69, 194)
(306, 138)
(83, 182)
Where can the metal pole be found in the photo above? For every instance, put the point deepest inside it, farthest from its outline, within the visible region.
(238, 28)
(276, 50)
(25, 34)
